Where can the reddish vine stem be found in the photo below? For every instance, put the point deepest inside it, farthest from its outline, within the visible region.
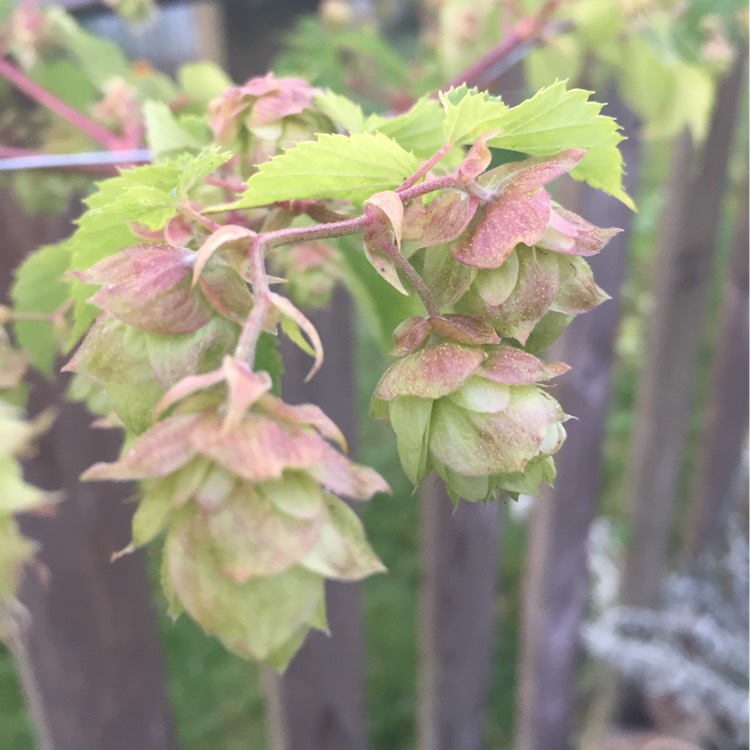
(414, 278)
(245, 350)
(253, 327)
(190, 212)
(523, 31)
(426, 167)
(49, 101)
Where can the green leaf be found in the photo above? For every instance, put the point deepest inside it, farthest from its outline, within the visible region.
(164, 133)
(144, 204)
(419, 129)
(101, 60)
(343, 111)
(200, 167)
(39, 287)
(469, 114)
(334, 166)
(202, 81)
(556, 119)
(268, 359)
(66, 80)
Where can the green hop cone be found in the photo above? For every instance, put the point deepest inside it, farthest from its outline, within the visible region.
(247, 496)
(515, 258)
(156, 327)
(471, 408)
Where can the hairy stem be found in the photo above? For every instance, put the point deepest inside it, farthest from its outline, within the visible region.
(49, 101)
(187, 210)
(426, 167)
(253, 327)
(319, 232)
(411, 274)
(439, 183)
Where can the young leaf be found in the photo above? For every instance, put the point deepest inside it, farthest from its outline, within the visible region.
(418, 129)
(469, 114)
(556, 119)
(344, 112)
(163, 133)
(335, 166)
(198, 168)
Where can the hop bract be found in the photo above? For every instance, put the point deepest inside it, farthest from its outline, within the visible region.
(465, 404)
(247, 497)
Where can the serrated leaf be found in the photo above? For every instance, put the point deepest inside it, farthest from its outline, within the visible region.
(39, 287)
(556, 119)
(145, 204)
(470, 115)
(419, 129)
(163, 132)
(200, 167)
(334, 166)
(343, 111)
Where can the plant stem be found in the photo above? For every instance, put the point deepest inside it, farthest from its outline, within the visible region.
(187, 210)
(524, 30)
(253, 327)
(322, 231)
(439, 183)
(49, 101)
(411, 274)
(426, 167)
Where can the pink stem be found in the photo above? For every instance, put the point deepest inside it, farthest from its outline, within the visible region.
(524, 30)
(426, 167)
(49, 101)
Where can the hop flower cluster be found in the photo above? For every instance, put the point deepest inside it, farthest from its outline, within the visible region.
(469, 406)
(465, 398)
(247, 496)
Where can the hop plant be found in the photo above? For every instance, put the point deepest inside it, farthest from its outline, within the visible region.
(173, 274)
